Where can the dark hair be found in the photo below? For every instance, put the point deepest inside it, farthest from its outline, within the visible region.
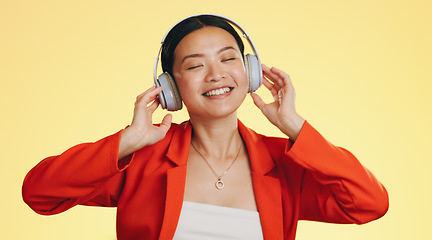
(188, 25)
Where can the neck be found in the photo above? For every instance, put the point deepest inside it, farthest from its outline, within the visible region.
(217, 139)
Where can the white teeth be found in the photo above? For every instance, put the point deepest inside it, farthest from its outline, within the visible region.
(217, 92)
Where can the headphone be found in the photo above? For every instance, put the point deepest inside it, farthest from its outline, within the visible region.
(170, 98)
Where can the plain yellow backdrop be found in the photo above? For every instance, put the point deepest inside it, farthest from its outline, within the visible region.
(70, 71)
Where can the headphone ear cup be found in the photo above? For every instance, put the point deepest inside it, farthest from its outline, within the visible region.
(253, 71)
(169, 97)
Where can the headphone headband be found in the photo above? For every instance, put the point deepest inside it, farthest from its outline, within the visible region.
(245, 35)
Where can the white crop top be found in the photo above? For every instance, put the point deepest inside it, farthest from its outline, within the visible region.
(210, 222)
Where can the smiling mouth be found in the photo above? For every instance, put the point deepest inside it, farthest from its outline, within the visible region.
(217, 92)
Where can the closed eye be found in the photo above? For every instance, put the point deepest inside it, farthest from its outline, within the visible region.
(193, 67)
(229, 59)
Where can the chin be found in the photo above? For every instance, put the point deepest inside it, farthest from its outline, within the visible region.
(214, 112)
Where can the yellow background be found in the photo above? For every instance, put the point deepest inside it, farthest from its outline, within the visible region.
(70, 71)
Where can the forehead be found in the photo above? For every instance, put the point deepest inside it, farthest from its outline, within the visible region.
(205, 39)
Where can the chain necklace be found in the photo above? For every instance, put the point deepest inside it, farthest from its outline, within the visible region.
(219, 183)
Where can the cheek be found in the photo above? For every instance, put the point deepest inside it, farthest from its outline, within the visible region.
(241, 77)
(184, 86)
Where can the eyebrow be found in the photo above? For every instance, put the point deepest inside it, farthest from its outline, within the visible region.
(201, 55)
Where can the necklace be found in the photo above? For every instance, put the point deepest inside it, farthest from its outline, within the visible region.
(219, 183)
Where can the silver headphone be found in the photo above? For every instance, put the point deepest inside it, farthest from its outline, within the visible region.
(170, 98)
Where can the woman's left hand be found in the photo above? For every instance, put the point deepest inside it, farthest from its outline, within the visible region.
(281, 112)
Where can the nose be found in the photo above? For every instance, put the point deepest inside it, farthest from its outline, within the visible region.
(215, 72)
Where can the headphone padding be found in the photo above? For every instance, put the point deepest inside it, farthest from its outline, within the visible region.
(169, 97)
(253, 71)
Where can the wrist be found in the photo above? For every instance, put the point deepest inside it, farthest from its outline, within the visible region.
(129, 141)
(292, 126)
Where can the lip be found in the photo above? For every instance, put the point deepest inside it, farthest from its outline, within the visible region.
(218, 88)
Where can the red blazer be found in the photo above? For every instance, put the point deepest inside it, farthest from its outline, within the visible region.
(310, 180)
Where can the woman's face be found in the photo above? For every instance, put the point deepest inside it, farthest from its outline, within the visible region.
(209, 72)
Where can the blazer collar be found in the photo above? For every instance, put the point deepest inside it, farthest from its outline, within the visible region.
(261, 161)
(178, 150)
(259, 156)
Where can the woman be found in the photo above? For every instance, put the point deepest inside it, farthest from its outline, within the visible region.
(210, 177)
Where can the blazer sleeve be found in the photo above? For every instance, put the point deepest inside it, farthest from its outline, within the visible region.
(88, 174)
(335, 186)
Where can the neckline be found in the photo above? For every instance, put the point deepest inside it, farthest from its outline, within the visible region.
(207, 206)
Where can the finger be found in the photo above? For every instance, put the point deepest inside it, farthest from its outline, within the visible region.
(166, 123)
(154, 105)
(264, 67)
(149, 95)
(274, 81)
(269, 75)
(267, 84)
(143, 93)
(279, 72)
(280, 95)
(273, 77)
(284, 76)
(152, 94)
(258, 101)
(273, 89)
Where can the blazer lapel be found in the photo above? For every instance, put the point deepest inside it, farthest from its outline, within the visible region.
(177, 153)
(267, 189)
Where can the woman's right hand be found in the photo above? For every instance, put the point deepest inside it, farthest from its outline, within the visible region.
(142, 132)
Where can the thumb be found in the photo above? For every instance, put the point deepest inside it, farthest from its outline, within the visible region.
(257, 100)
(166, 123)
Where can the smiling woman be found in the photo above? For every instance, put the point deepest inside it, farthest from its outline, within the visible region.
(209, 72)
(178, 181)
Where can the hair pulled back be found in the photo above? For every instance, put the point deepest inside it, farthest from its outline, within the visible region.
(189, 25)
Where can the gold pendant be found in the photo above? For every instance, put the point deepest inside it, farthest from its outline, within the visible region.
(219, 184)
